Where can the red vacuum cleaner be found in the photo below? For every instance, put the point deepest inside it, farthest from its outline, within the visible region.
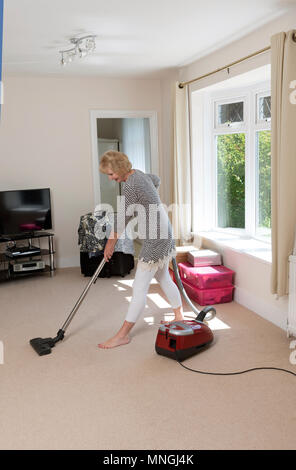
(182, 339)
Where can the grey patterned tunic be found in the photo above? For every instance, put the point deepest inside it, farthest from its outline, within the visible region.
(154, 228)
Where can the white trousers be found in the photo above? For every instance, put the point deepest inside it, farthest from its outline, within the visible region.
(141, 286)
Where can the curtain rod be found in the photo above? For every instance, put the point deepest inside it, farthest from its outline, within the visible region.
(182, 84)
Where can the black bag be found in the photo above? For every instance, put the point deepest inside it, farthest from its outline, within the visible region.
(120, 264)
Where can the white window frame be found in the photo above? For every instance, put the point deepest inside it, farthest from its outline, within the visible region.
(234, 125)
(217, 130)
(250, 96)
(260, 125)
(261, 122)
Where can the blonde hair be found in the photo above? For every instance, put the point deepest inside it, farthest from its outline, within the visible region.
(117, 161)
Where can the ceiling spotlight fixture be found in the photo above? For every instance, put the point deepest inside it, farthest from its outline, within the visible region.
(81, 48)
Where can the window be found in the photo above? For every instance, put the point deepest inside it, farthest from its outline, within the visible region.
(242, 140)
(263, 186)
(230, 180)
(263, 165)
(263, 107)
(230, 114)
(235, 150)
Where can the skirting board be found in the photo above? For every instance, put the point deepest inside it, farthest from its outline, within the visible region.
(275, 315)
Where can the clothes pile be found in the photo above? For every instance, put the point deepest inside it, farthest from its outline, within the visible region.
(93, 232)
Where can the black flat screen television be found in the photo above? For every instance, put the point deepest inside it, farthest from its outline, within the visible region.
(25, 211)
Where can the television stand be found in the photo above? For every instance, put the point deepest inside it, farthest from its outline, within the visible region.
(25, 255)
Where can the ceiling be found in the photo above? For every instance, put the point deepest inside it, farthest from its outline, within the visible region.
(134, 38)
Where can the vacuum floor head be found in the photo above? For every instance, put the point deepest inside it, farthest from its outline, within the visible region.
(42, 346)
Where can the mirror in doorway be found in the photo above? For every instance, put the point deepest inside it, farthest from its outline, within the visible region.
(130, 136)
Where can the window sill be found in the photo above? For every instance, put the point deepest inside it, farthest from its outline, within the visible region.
(248, 246)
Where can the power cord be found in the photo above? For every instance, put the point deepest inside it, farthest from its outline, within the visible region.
(234, 373)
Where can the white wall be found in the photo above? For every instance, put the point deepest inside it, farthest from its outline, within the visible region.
(252, 274)
(45, 141)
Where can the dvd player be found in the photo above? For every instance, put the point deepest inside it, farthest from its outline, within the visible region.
(28, 266)
(16, 251)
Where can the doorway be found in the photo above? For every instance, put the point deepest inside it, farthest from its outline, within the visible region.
(133, 133)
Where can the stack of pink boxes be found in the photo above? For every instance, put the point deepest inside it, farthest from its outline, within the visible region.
(205, 279)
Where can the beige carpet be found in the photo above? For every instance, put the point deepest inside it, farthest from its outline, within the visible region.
(80, 397)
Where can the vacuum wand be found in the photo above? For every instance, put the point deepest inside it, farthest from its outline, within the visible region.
(200, 315)
(81, 298)
(43, 345)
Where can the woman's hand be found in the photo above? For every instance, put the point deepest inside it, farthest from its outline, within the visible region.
(109, 249)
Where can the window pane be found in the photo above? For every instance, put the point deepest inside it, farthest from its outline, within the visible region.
(230, 113)
(265, 107)
(231, 180)
(263, 157)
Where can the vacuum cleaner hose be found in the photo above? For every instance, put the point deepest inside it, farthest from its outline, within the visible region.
(200, 315)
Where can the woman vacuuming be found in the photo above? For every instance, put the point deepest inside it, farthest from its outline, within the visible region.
(158, 247)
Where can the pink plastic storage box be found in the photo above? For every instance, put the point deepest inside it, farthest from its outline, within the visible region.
(203, 258)
(208, 296)
(206, 277)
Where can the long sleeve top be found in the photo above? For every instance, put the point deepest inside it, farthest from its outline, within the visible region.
(153, 226)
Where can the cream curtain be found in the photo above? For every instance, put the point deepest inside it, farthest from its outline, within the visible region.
(181, 215)
(283, 157)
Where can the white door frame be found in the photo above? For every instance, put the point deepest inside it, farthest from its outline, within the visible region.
(104, 114)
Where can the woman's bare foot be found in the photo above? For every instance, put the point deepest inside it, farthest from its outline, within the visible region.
(113, 342)
(120, 338)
